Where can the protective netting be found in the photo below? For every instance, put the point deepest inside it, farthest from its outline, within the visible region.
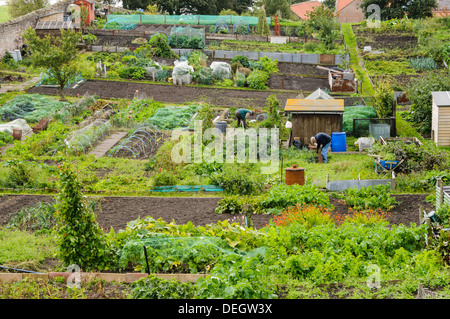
(182, 73)
(241, 26)
(140, 143)
(49, 79)
(68, 111)
(81, 140)
(171, 117)
(221, 71)
(360, 112)
(31, 107)
(185, 19)
(121, 23)
(165, 253)
(187, 37)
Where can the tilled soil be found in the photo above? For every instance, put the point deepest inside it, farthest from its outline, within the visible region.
(171, 93)
(116, 212)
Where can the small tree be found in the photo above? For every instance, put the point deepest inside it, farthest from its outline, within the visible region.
(81, 240)
(322, 20)
(262, 27)
(57, 54)
(384, 99)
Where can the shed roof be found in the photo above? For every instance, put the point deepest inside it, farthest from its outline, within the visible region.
(313, 106)
(441, 98)
(301, 9)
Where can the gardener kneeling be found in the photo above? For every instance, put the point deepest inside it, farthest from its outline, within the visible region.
(322, 140)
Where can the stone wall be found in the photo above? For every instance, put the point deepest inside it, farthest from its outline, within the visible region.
(11, 31)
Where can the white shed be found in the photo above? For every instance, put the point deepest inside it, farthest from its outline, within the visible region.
(440, 123)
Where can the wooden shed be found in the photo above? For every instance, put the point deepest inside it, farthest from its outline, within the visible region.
(440, 123)
(311, 116)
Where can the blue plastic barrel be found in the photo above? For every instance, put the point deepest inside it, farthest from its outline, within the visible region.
(339, 141)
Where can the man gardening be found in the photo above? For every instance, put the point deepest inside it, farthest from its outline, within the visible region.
(322, 140)
(240, 115)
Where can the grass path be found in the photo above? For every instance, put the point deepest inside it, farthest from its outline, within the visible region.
(355, 62)
(4, 14)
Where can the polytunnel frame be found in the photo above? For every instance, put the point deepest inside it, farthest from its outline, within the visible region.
(134, 145)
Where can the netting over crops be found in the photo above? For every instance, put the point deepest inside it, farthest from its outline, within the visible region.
(360, 112)
(120, 24)
(31, 107)
(185, 19)
(180, 36)
(48, 79)
(81, 140)
(171, 117)
(144, 139)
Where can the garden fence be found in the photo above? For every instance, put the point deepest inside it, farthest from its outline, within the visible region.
(442, 194)
(185, 19)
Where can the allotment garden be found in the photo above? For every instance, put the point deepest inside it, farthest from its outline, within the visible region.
(125, 170)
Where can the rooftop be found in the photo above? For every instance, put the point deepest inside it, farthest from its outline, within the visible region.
(441, 98)
(301, 9)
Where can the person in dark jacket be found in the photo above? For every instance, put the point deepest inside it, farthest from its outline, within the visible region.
(322, 140)
(240, 115)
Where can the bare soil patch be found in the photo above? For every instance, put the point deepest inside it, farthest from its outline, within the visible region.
(171, 93)
(116, 212)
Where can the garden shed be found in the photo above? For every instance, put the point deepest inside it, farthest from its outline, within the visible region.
(440, 122)
(311, 116)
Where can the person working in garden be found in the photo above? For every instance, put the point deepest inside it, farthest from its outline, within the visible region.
(240, 115)
(322, 140)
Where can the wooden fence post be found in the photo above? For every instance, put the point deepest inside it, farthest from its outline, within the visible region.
(441, 193)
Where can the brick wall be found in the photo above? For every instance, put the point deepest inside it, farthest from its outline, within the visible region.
(11, 31)
(352, 13)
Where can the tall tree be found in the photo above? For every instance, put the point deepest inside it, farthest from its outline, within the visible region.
(177, 7)
(19, 8)
(390, 9)
(331, 4)
(56, 53)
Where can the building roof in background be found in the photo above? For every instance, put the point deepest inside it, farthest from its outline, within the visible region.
(441, 98)
(443, 4)
(341, 4)
(302, 8)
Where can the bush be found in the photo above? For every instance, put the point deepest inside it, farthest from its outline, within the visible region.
(384, 99)
(242, 59)
(236, 204)
(161, 47)
(164, 178)
(237, 182)
(282, 196)
(269, 65)
(132, 72)
(257, 80)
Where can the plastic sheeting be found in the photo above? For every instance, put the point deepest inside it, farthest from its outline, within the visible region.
(221, 71)
(182, 73)
(16, 124)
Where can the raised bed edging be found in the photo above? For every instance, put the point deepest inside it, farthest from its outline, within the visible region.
(108, 277)
(304, 58)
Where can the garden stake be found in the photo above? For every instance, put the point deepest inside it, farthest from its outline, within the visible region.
(146, 260)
